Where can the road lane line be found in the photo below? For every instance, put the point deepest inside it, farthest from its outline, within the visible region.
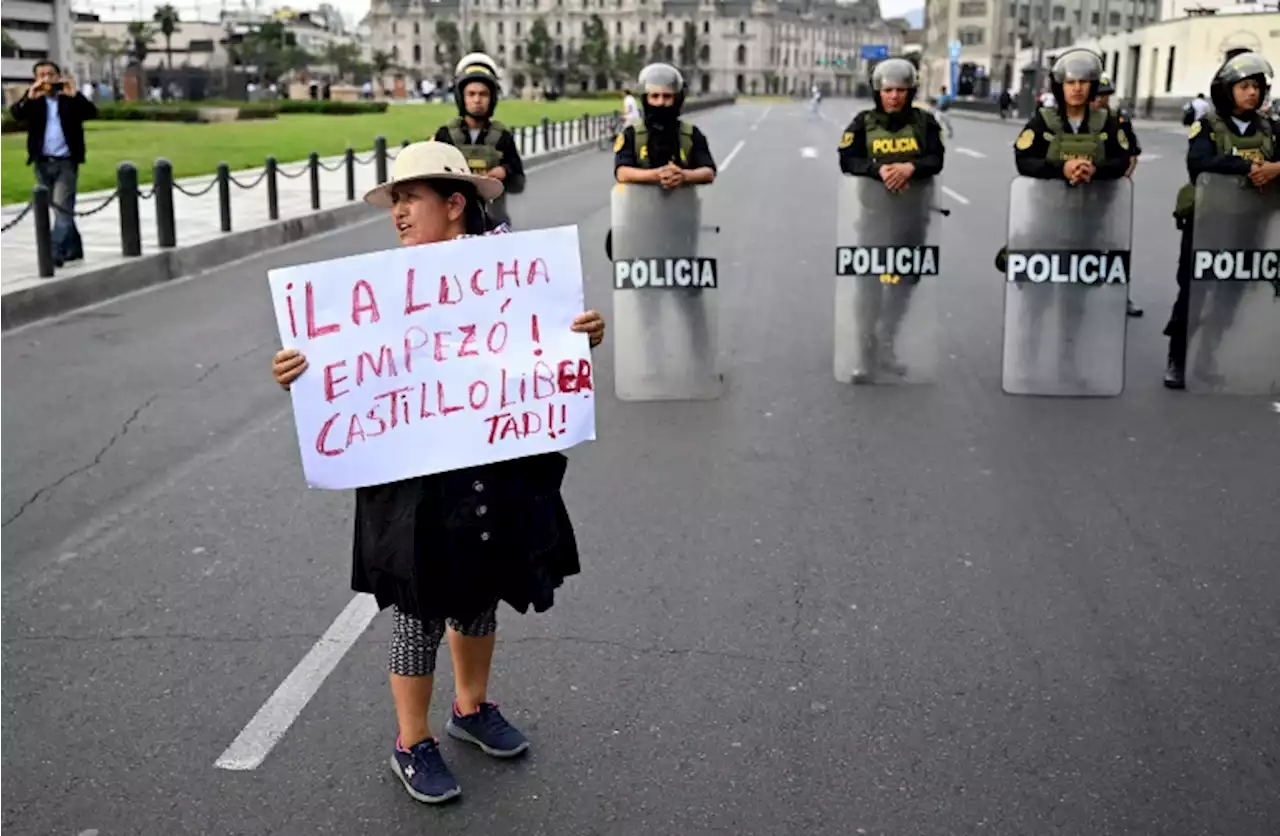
(809, 153)
(724, 166)
(955, 195)
(1148, 157)
(972, 153)
(763, 116)
(277, 714)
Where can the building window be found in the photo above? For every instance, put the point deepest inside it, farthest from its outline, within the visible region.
(518, 27)
(416, 29)
(559, 27)
(973, 8)
(1059, 14)
(742, 54)
(500, 27)
(971, 36)
(706, 27)
(1168, 70)
(417, 54)
(742, 27)
(704, 53)
(642, 27)
(1114, 19)
(519, 52)
(670, 27)
(559, 52)
(393, 27)
(617, 28)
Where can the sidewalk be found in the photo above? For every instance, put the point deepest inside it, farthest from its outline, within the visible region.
(197, 218)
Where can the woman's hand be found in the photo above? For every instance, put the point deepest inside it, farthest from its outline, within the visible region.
(590, 323)
(289, 364)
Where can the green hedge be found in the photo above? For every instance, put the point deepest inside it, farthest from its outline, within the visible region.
(133, 112)
(328, 107)
(9, 125)
(262, 110)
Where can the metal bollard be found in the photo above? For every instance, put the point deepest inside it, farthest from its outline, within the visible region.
(584, 132)
(520, 131)
(380, 158)
(546, 134)
(561, 140)
(313, 163)
(162, 182)
(224, 196)
(351, 173)
(130, 226)
(273, 189)
(44, 231)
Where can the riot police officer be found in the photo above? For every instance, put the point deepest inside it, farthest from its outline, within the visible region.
(1233, 138)
(1102, 101)
(663, 149)
(488, 145)
(896, 143)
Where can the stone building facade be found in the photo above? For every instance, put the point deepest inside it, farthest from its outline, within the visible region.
(747, 46)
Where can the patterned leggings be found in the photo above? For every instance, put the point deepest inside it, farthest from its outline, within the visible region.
(414, 643)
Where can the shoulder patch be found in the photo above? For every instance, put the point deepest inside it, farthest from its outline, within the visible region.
(1123, 139)
(847, 139)
(618, 143)
(1195, 129)
(1024, 140)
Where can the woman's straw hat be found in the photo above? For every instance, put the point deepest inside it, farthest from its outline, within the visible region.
(432, 160)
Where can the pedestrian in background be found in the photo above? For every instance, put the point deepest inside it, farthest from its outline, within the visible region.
(53, 112)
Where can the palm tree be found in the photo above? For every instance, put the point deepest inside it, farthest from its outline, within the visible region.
(382, 61)
(167, 17)
(140, 37)
(102, 51)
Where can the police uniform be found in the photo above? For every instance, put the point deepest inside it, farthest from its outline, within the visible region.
(876, 138)
(491, 144)
(636, 147)
(1048, 141)
(1217, 145)
(1129, 140)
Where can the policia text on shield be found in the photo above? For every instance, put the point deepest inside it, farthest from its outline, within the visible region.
(1066, 262)
(488, 145)
(1224, 330)
(885, 323)
(665, 280)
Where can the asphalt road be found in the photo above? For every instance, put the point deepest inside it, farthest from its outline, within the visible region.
(806, 608)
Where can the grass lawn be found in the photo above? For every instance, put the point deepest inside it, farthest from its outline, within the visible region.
(197, 149)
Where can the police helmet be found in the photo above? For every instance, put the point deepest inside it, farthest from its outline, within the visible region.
(663, 76)
(1076, 65)
(1105, 87)
(894, 72)
(1234, 70)
(476, 66)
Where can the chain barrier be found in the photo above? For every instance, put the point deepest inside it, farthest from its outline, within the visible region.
(201, 193)
(283, 173)
(262, 175)
(338, 166)
(369, 161)
(17, 218)
(148, 194)
(111, 198)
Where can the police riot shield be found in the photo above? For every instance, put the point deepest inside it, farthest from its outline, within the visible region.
(1067, 287)
(886, 319)
(1233, 313)
(664, 296)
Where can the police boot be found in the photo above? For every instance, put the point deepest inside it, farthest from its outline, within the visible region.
(1133, 310)
(888, 360)
(864, 372)
(1174, 371)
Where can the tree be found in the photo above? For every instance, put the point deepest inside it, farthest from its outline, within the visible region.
(658, 51)
(689, 49)
(537, 50)
(7, 42)
(102, 51)
(344, 58)
(627, 63)
(477, 42)
(140, 36)
(448, 45)
(382, 62)
(595, 47)
(273, 50)
(166, 18)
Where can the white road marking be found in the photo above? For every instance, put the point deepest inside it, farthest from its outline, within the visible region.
(251, 746)
(1148, 157)
(955, 195)
(972, 153)
(809, 153)
(763, 116)
(724, 166)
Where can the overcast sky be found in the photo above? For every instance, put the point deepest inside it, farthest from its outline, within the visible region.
(352, 10)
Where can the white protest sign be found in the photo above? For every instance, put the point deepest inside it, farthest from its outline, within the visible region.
(434, 358)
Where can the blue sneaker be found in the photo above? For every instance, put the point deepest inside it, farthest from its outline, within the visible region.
(424, 773)
(489, 730)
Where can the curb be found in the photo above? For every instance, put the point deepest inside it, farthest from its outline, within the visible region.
(58, 296)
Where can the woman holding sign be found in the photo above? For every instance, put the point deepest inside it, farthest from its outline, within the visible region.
(442, 550)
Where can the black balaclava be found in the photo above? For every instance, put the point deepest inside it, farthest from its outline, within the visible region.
(895, 72)
(662, 122)
(1236, 69)
(1075, 65)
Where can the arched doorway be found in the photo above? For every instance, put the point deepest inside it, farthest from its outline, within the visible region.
(741, 84)
(706, 83)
